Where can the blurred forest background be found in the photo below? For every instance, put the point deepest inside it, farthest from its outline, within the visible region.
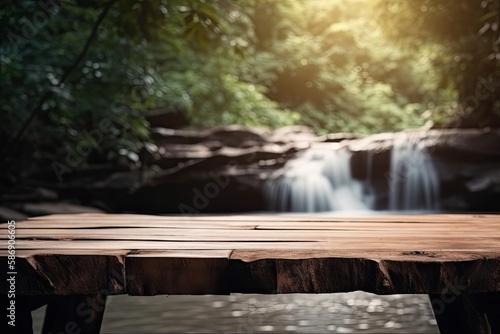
(92, 70)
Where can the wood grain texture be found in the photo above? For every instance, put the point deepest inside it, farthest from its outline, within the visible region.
(282, 253)
(55, 274)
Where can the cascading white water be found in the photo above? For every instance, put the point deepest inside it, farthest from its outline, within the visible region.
(413, 180)
(302, 187)
(321, 180)
(348, 192)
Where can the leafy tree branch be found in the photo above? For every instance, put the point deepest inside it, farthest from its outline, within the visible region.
(37, 108)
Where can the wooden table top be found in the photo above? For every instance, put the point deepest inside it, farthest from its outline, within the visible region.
(148, 255)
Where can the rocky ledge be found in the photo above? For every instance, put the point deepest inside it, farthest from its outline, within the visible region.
(467, 162)
(224, 170)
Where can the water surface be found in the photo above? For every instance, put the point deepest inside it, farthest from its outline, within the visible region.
(355, 312)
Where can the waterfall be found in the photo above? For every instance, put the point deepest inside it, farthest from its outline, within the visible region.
(413, 180)
(348, 193)
(321, 180)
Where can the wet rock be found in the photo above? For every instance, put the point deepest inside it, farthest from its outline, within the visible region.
(489, 180)
(338, 137)
(27, 193)
(198, 196)
(41, 209)
(167, 117)
(224, 158)
(232, 136)
(235, 135)
(7, 214)
(118, 180)
(194, 163)
(165, 136)
(468, 145)
(189, 163)
(295, 133)
(467, 162)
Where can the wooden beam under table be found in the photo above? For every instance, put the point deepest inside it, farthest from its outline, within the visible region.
(467, 314)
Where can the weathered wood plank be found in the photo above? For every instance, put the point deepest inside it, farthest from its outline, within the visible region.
(250, 255)
(52, 246)
(159, 275)
(336, 238)
(26, 253)
(168, 275)
(447, 256)
(385, 277)
(263, 253)
(353, 244)
(56, 224)
(56, 274)
(116, 233)
(196, 254)
(264, 218)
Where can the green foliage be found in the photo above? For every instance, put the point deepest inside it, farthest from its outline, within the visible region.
(461, 41)
(116, 80)
(329, 64)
